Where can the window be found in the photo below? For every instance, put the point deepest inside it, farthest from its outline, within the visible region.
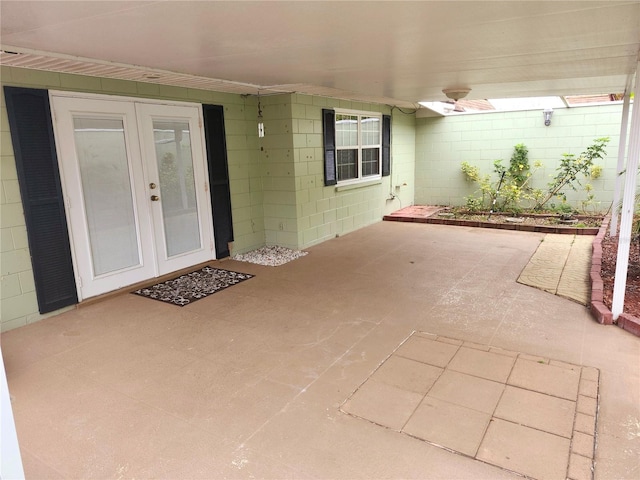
(356, 146)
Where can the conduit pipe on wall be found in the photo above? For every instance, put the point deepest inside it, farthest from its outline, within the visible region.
(628, 202)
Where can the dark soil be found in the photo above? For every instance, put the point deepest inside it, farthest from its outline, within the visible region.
(632, 294)
(580, 221)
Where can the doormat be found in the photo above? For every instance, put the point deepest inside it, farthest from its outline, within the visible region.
(193, 286)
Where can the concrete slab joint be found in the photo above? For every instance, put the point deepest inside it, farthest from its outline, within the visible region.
(489, 404)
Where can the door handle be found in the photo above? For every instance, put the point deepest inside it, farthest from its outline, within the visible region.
(155, 198)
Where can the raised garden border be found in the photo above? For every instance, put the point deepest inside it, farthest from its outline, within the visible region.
(598, 309)
(501, 226)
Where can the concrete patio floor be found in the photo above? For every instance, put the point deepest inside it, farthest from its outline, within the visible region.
(258, 380)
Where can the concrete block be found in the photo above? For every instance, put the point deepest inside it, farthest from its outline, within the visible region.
(80, 83)
(201, 96)
(306, 126)
(172, 92)
(6, 240)
(148, 89)
(316, 219)
(6, 148)
(7, 325)
(300, 140)
(19, 235)
(18, 306)
(10, 286)
(330, 216)
(32, 78)
(323, 205)
(15, 261)
(313, 112)
(309, 236)
(121, 87)
(11, 191)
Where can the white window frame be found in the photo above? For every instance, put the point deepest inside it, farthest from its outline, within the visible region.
(360, 178)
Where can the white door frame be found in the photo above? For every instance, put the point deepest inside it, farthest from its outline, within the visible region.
(189, 114)
(76, 216)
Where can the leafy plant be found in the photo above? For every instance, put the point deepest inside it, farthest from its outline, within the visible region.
(508, 194)
(570, 170)
(519, 165)
(565, 210)
(474, 204)
(472, 174)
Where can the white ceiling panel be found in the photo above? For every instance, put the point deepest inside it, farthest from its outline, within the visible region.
(394, 52)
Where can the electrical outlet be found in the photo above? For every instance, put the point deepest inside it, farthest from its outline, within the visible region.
(281, 225)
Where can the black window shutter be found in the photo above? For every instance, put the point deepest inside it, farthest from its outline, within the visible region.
(386, 145)
(31, 128)
(218, 178)
(329, 130)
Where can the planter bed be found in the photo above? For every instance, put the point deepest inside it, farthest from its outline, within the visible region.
(542, 223)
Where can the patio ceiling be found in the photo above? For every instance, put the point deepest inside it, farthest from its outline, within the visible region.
(390, 52)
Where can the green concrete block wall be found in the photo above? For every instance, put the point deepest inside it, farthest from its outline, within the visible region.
(18, 301)
(277, 182)
(276, 153)
(442, 144)
(326, 212)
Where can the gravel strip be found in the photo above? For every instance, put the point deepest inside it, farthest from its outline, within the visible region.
(271, 256)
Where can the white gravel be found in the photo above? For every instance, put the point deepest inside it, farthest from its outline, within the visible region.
(271, 256)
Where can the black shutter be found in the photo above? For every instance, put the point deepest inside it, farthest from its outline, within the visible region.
(39, 179)
(386, 145)
(329, 130)
(218, 178)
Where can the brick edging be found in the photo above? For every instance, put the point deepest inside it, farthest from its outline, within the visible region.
(499, 226)
(598, 309)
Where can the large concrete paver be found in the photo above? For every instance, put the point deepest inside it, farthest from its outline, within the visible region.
(545, 457)
(523, 413)
(561, 266)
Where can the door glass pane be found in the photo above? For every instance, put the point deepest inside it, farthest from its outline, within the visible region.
(106, 187)
(177, 186)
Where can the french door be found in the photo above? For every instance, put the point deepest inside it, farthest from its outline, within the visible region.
(136, 195)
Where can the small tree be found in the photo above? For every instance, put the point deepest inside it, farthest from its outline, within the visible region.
(571, 167)
(513, 188)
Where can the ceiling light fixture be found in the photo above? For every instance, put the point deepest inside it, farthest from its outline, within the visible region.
(456, 93)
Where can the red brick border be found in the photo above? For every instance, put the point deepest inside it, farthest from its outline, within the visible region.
(598, 309)
(501, 226)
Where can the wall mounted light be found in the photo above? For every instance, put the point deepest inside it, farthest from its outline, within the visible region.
(547, 112)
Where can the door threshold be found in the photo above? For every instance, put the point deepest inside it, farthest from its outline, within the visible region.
(146, 283)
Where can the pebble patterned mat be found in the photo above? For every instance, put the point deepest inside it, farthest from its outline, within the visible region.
(193, 286)
(271, 256)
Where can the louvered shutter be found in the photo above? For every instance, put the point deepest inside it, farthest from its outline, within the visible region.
(329, 132)
(386, 145)
(31, 128)
(218, 178)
